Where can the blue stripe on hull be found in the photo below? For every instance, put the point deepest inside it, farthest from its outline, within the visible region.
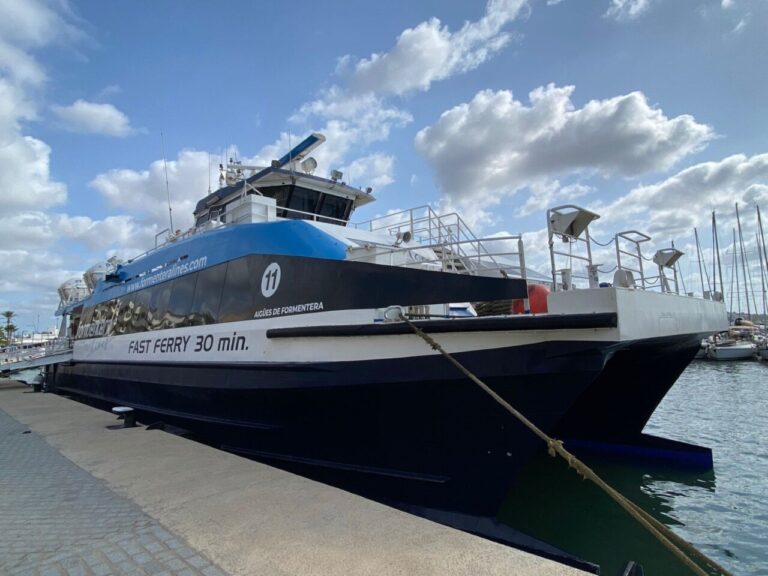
(280, 238)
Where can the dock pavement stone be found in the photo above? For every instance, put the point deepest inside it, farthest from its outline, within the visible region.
(58, 520)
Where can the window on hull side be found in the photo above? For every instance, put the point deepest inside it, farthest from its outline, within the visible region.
(139, 311)
(180, 303)
(205, 304)
(158, 304)
(119, 326)
(87, 315)
(223, 293)
(242, 283)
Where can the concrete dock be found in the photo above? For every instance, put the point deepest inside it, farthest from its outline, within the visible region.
(77, 497)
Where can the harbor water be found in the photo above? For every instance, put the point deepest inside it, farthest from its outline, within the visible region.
(723, 512)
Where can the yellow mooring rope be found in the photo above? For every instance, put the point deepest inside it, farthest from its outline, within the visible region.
(682, 549)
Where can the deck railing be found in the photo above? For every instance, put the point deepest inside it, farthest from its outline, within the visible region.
(569, 226)
(456, 248)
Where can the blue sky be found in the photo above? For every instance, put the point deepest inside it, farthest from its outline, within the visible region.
(651, 112)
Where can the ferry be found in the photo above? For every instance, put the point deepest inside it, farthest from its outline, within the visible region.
(275, 327)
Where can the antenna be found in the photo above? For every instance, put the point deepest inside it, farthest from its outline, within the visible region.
(290, 153)
(209, 172)
(167, 188)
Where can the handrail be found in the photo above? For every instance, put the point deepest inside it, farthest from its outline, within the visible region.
(571, 223)
(448, 257)
(443, 229)
(635, 238)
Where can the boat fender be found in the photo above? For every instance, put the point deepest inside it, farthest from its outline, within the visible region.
(537, 296)
(537, 300)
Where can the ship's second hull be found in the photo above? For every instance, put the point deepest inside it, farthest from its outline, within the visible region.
(638, 375)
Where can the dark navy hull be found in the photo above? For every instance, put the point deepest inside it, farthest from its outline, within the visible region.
(410, 430)
(617, 406)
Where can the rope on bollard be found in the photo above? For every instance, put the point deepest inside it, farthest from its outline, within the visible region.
(678, 546)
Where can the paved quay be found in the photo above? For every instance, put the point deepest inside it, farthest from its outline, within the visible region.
(56, 519)
(78, 498)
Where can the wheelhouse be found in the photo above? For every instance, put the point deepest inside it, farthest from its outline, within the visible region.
(296, 196)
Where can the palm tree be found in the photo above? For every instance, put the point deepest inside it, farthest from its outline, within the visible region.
(9, 328)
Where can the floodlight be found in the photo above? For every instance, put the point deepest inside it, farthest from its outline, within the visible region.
(667, 257)
(571, 223)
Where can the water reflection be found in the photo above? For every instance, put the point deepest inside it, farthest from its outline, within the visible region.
(724, 512)
(552, 503)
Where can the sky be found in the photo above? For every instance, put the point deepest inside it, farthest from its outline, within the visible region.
(649, 112)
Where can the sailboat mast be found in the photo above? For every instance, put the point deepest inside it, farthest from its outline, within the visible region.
(762, 273)
(716, 256)
(744, 269)
(735, 273)
(763, 261)
(698, 254)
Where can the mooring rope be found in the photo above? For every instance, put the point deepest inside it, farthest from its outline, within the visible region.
(674, 543)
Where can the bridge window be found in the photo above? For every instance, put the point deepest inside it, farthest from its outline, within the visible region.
(335, 207)
(304, 200)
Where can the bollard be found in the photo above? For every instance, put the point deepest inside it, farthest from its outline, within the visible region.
(128, 415)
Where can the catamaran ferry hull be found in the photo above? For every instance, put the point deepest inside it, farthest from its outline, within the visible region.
(413, 428)
(387, 416)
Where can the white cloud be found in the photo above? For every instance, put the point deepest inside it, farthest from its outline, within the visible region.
(430, 52)
(143, 192)
(350, 121)
(28, 264)
(23, 270)
(496, 145)
(41, 232)
(22, 68)
(623, 10)
(374, 170)
(29, 229)
(25, 175)
(25, 181)
(741, 25)
(546, 194)
(477, 215)
(33, 23)
(108, 91)
(36, 253)
(678, 203)
(121, 232)
(93, 118)
(358, 114)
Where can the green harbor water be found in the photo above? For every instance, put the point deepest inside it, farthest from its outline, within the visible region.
(723, 512)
